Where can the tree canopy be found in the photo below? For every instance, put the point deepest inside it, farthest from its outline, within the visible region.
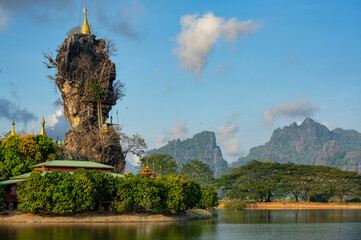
(265, 181)
(163, 163)
(197, 171)
(18, 153)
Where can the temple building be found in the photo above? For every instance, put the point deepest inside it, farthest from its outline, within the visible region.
(147, 171)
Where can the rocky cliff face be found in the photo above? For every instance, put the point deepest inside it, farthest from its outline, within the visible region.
(83, 60)
(202, 147)
(310, 143)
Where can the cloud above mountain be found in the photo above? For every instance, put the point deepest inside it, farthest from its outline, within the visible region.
(200, 34)
(178, 131)
(300, 108)
(226, 137)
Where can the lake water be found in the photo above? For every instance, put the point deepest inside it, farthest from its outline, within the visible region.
(226, 224)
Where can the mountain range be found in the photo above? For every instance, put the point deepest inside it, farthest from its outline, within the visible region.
(308, 143)
(201, 146)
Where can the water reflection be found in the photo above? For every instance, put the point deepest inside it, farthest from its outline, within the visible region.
(227, 224)
(288, 216)
(146, 231)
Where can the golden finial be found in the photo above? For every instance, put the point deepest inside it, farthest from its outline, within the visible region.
(42, 130)
(106, 125)
(85, 27)
(111, 119)
(13, 130)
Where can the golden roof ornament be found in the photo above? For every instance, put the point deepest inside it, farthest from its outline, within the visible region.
(42, 130)
(106, 125)
(85, 27)
(13, 130)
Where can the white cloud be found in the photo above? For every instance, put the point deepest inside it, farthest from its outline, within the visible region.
(53, 119)
(56, 125)
(328, 125)
(178, 131)
(199, 34)
(133, 159)
(227, 130)
(301, 108)
(226, 137)
(232, 146)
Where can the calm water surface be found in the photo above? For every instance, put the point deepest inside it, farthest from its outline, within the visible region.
(227, 224)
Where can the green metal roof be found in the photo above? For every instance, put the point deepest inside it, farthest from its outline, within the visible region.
(24, 176)
(68, 163)
(11, 181)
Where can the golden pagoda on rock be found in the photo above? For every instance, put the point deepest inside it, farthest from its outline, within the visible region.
(106, 125)
(13, 130)
(85, 27)
(42, 130)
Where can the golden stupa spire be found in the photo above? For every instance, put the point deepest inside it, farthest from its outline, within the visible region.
(42, 130)
(85, 27)
(106, 125)
(13, 130)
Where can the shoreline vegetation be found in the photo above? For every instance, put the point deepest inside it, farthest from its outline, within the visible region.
(289, 205)
(17, 216)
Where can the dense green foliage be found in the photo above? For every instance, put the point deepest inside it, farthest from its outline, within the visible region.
(209, 198)
(65, 193)
(197, 171)
(264, 181)
(234, 204)
(162, 163)
(310, 143)
(202, 147)
(180, 194)
(17, 153)
(137, 191)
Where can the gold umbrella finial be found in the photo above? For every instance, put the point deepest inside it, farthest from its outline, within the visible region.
(85, 27)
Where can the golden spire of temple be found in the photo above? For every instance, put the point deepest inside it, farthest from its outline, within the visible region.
(13, 130)
(106, 125)
(85, 27)
(147, 171)
(42, 130)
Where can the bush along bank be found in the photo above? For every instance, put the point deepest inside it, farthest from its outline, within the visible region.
(69, 193)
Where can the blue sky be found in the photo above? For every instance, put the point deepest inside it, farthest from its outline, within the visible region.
(239, 68)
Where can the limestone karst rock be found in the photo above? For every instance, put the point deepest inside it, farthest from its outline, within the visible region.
(83, 60)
